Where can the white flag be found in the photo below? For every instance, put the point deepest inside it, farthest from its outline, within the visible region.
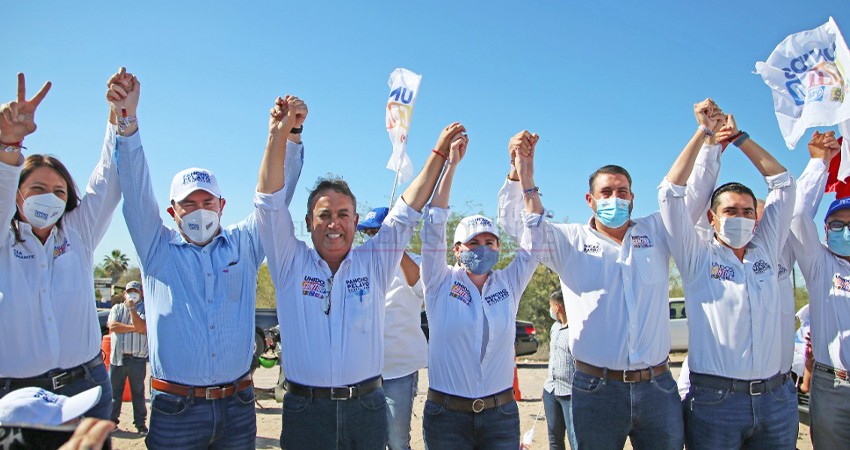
(404, 86)
(844, 165)
(808, 73)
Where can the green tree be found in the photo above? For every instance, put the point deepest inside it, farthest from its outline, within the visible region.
(265, 288)
(115, 264)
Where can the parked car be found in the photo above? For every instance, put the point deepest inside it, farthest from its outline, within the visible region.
(678, 325)
(525, 342)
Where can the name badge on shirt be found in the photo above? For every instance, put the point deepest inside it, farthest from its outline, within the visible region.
(721, 272)
(358, 286)
(460, 292)
(492, 299)
(760, 267)
(642, 242)
(313, 287)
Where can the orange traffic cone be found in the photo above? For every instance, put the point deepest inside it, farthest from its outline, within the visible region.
(517, 393)
(106, 348)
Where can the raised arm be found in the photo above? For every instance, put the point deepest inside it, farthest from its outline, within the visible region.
(524, 144)
(288, 113)
(684, 164)
(764, 162)
(457, 149)
(17, 120)
(420, 190)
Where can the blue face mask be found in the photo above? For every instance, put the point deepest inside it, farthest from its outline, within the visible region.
(839, 241)
(479, 260)
(612, 212)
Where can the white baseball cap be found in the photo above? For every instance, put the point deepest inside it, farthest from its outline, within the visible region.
(190, 180)
(472, 226)
(32, 407)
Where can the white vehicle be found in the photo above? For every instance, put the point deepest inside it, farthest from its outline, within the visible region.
(678, 325)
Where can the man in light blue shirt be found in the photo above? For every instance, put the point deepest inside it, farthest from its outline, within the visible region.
(200, 282)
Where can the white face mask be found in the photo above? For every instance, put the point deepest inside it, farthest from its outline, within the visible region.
(736, 232)
(553, 315)
(43, 210)
(199, 225)
(133, 296)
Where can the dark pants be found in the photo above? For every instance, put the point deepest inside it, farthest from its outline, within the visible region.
(492, 429)
(135, 369)
(319, 424)
(559, 419)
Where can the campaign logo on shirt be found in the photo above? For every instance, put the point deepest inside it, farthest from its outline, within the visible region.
(460, 292)
(357, 284)
(492, 299)
(721, 272)
(20, 255)
(642, 242)
(782, 270)
(60, 250)
(313, 287)
(760, 267)
(592, 249)
(841, 283)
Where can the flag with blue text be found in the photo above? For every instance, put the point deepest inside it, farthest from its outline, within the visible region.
(404, 85)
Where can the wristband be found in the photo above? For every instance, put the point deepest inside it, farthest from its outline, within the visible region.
(296, 130)
(125, 122)
(13, 147)
(706, 130)
(438, 153)
(741, 138)
(530, 193)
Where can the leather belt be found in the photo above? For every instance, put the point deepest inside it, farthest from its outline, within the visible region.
(335, 393)
(55, 379)
(207, 392)
(473, 405)
(840, 374)
(626, 376)
(752, 387)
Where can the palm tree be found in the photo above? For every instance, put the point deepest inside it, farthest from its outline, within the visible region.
(115, 264)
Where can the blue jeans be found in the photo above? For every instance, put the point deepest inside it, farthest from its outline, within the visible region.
(559, 419)
(135, 369)
(314, 423)
(400, 393)
(830, 410)
(94, 377)
(720, 419)
(196, 423)
(494, 428)
(606, 412)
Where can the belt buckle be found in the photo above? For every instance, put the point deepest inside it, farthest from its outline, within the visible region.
(755, 383)
(477, 405)
(61, 380)
(210, 390)
(626, 374)
(841, 374)
(347, 393)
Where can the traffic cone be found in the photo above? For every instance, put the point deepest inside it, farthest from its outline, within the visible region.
(517, 393)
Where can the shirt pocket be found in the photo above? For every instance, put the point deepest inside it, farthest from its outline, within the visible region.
(651, 265)
(766, 287)
(360, 310)
(230, 281)
(67, 273)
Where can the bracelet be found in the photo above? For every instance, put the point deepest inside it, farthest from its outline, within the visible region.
(531, 192)
(12, 148)
(438, 153)
(296, 130)
(125, 122)
(705, 130)
(740, 138)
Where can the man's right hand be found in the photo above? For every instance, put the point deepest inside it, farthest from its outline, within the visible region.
(122, 93)
(17, 118)
(824, 146)
(288, 112)
(447, 136)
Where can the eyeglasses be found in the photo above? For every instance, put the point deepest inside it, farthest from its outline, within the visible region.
(837, 226)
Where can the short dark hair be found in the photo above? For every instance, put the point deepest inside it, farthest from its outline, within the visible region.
(735, 187)
(557, 296)
(610, 169)
(37, 161)
(330, 182)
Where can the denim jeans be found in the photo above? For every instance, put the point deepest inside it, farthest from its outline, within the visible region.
(494, 428)
(94, 377)
(559, 419)
(400, 393)
(313, 423)
(196, 423)
(606, 412)
(830, 410)
(135, 369)
(720, 419)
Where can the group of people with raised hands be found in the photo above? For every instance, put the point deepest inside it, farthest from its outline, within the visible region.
(338, 305)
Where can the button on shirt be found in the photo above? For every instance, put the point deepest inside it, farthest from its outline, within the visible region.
(733, 306)
(135, 344)
(559, 377)
(48, 318)
(471, 347)
(346, 345)
(616, 295)
(405, 347)
(827, 276)
(200, 300)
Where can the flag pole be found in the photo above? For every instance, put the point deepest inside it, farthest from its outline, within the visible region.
(395, 185)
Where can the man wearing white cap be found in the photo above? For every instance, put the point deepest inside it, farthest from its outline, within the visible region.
(129, 354)
(200, 283)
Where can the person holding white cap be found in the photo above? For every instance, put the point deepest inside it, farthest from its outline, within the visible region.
(826, 269)
(472, 312)
(49, 332)
(200, 284)
(405, 346)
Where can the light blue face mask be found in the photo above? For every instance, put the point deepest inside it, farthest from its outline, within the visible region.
(612, 212)
(479, 260)
(839, 241)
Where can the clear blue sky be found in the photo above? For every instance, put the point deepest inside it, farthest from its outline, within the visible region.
(601, 82)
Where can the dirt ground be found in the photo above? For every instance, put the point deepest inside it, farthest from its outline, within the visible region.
(531, 377)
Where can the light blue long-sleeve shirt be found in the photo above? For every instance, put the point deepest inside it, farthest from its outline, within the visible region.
(200, 300)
